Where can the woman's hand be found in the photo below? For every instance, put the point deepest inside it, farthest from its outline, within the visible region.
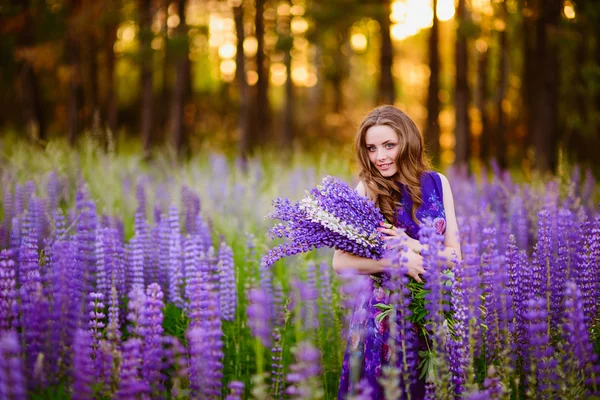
(393, 232)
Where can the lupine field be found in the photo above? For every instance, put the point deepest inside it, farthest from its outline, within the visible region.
(125, 279)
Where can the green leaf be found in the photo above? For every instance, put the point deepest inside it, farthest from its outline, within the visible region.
(383, 306)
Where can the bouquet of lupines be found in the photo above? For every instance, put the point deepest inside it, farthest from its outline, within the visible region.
(330, 215)
(336, 216)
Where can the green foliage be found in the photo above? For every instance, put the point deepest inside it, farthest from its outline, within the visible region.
(175, 322)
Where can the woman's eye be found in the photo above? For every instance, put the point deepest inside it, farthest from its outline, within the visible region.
(370, 148)
(389, 145)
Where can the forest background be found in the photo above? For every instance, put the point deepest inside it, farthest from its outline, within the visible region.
(515, 81)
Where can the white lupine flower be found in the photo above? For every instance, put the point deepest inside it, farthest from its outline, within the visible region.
(316, 213)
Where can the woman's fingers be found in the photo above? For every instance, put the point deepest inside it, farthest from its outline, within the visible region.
(391, 232)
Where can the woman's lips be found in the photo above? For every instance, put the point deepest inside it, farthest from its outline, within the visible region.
(385, 166)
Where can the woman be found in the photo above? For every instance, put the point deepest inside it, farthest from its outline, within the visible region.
(395, 173)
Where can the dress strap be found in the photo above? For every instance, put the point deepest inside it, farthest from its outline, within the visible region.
(437, 184)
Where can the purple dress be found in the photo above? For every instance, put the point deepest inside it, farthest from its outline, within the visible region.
(367, 350)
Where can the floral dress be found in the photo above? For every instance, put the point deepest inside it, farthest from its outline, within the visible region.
(367, 350)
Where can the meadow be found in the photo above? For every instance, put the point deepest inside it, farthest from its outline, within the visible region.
(125, 278)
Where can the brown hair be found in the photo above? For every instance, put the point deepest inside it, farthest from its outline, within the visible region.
(411, 161)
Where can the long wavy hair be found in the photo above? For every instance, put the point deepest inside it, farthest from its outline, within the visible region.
(412, 161)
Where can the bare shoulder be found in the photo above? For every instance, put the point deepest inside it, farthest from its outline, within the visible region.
(444, 180)
(361, 189)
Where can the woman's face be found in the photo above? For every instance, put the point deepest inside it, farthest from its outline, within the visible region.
(382, 147)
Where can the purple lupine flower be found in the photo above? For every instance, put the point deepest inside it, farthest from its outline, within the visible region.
(20, 199)
(542, 255)
(587, 269)
(85, 237)
(325, 294)
(136, 304)
(493, 385)
(102, 283)
(140, 195)
(579, 347)
(304, 297)
(29, 269)
(259, 318)
(205, 316)
(83, 367)
(518, 221)
(137, 261)
(401, 371)
(175, 273)
(364, 391)
(8, 216)
(429, 391)
(190, 204)
(228, 286)
(433, 265)
(498, 302)
(236, 390)
(63, 306)
(96, 324)
(197, 288)
(589, 186)
(518, 288)
(276, 366)
(12, 381)
(204, 231)
(191, 268)
(562, 269)
(538, 362)
(458, 344)
(473, 286)
(8, 294)
(595, 255)
(131, 385)
(478, 395)
(103, 365)
(331, 215)
(15, 239)
(279, 304)
(304, 374)
(112, 332)
(151, 330)
(52, 189)
(35, 311)
(205, 382)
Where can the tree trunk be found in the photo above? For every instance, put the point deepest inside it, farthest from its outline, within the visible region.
(261, 105)
(31, 101)
(432, 129)
(288, 114)
(481, 100)
(462, 89)
(500, 145)
(529, 71)
(73, 51)
(110, 106)
(163, 112)
(386, 59)
(34, 112)
(181, 84)
(145, 7)
(240, 75)
(545, 121)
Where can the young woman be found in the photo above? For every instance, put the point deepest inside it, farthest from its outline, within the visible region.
(395, 174)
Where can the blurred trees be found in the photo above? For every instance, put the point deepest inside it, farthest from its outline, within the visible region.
(512, 80)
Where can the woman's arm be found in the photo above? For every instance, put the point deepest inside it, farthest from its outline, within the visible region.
(344, 261)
